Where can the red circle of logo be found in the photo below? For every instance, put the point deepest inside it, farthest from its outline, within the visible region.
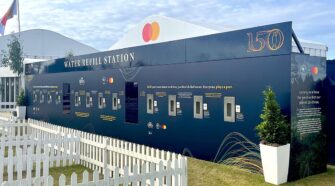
(147, 32)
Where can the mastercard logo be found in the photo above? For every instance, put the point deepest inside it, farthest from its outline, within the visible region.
(110, 80)
(150, 32)
(314, 70)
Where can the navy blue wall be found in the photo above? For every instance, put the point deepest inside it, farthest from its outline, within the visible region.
(202, 137)
(239, 64)
(330, 90)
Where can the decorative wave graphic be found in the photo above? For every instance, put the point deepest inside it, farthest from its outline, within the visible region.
(187, 152)
(237, 150)
(128, 72)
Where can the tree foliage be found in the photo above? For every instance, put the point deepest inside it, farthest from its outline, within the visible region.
(274, 129)
(14, 56)
(69, 55)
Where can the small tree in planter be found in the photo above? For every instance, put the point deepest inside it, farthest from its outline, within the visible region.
(14, 56)
(274, 133)
(14, 59)
(21, 105)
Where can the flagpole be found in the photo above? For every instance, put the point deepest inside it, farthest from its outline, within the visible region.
(18, 15)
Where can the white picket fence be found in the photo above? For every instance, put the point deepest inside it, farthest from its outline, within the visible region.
(120, 162)
(20, 163)
(12, 129)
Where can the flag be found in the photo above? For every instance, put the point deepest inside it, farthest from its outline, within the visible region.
(11, 12)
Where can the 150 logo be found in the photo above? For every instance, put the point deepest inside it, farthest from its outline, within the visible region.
(272, 39)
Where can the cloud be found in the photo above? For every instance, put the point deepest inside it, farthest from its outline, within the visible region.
(100, 23)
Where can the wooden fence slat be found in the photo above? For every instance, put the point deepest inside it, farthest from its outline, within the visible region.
(62, 180)
(19, 163)
(50, 181)
(1, 164)
(10, 165)
(168, 176)
(152, 169)
(74, 179)
(29, 166)
(85, 177)
(160, 175)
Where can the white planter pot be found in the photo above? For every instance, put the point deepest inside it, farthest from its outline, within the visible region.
(21, 112)
(275, 162)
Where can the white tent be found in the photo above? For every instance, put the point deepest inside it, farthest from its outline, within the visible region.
(46, 44)
(172, 29)
(38, 45)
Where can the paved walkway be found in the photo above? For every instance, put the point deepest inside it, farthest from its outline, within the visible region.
(5, 115)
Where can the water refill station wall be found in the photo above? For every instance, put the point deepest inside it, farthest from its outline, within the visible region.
(330, 93)
(200, 96)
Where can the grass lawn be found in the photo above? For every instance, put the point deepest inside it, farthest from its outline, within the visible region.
(204, 173)
(67, 171)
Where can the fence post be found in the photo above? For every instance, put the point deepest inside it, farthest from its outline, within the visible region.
(176, 173)
(1, 163)
(65, 144)
(85, 178)
(95, 176)
(25, 139)
(52, 152)
(19, 162)
(184, 170)
(58, 143)
(10, 165)
(74, 179)
(106, 176)
(143, 172)
(136, 178)
(116, 176)
(76, 148)
(38, 163)
(104, 160)
(160, 173)
(46, 166)
(62, 180)
(168, 174)
(50, 181)
(152, 171)
(29, 165)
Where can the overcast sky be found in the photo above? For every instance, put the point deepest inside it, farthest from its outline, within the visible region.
(100, 23)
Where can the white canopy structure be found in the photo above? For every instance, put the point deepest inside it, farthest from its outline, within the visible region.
(38, 45)
(172, 29)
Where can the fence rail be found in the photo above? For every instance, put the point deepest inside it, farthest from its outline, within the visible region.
(120, 162)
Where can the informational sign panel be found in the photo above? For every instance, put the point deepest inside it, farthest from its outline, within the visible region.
(308, 135)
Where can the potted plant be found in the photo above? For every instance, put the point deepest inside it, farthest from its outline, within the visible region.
(274, 133)
(21, 106)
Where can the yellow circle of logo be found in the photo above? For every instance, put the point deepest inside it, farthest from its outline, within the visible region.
(155, 31)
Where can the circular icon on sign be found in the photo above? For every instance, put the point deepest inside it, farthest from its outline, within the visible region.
(104, 79)
(150, 32)
(303, 70)
(314, 70)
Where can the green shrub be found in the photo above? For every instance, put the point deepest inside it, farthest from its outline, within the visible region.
(21, 99)
(274, 129)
